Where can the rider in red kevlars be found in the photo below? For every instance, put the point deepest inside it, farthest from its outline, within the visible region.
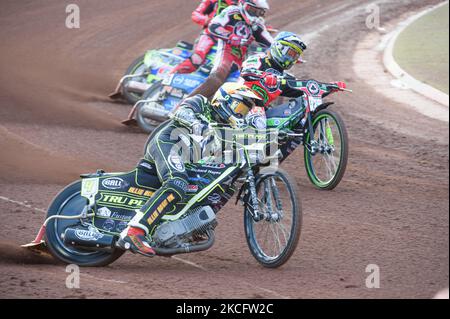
(265, 74)
(203, 15)
(208, 9)
(235, 29)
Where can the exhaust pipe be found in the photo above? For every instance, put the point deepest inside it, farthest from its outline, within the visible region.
(89, 240)
(137, 87)
(118, 92)
(155, 112)
(205, 245)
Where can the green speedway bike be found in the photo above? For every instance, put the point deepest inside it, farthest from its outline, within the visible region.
(85, 219)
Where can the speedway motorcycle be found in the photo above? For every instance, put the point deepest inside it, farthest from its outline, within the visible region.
(320, 130)
(85, 219)
(149, 85)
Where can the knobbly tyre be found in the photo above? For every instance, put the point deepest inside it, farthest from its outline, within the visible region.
(85, 219)
(149, 85)
(320, 130)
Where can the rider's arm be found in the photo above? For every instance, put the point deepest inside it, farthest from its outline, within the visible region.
(202, 13)
(220, 27)
(287, 90)
(262, 35)
(191, 112)
(251, 69)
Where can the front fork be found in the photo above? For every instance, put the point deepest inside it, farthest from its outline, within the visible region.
(254, 204)
(250, 199)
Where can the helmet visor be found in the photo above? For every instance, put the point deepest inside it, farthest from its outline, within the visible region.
(255, 11)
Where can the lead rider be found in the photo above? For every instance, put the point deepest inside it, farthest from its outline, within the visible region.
(167, 150)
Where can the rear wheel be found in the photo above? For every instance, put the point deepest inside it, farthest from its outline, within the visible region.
(69, 203)
(273, 240)
(137, 67)
(326, 167)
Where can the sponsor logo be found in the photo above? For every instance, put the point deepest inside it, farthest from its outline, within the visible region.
(121, 217)
(178, 80)
(205, 171)
(192, 189)
(114, 183)
(200, 180)
(140, 191)
(214, 198)
(121, 200)
(87, 235)
(160, 209)
(181, 184)
(242, 30)
(261, 92)
(109, 225)
(104, 212)
(313, 87)
(176, 163)
(121, 226)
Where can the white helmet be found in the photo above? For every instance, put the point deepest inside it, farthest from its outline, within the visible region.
(254, 10)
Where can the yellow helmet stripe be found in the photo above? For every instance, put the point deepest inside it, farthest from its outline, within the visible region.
(296, 48)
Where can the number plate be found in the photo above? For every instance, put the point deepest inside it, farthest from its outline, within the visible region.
(314, 102)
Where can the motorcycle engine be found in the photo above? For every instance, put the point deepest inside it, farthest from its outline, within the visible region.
(171, 233)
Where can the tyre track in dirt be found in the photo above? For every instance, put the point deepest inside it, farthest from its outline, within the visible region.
(391, 208)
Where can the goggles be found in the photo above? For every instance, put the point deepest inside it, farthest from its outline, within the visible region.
(254, 11)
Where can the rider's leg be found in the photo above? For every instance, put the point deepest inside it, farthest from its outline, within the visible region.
(172, 173)
(201, 50)
(223, 64)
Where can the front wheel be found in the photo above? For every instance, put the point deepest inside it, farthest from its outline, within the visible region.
(326, 153)
(70, 203)
(273, 240)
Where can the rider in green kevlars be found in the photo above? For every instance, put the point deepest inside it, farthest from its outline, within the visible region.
(165, 150)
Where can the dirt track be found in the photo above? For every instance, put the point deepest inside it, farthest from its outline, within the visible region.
(56, 122)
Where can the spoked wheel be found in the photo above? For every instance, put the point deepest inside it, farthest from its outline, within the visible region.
(144, 122)
(273, 240)
(326, 154)
(69, 203)
(137, 67)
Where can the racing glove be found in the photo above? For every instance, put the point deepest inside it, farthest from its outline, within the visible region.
(341, 85)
